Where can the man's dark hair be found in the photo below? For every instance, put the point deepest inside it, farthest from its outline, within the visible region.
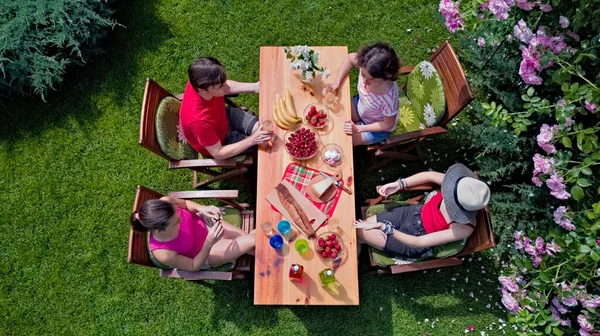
(380, 60)
(206, 72)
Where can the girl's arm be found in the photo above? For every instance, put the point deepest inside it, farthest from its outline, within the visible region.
(209, 211)
(454, 233)
(349, 62)
(380, 126)
(413, 180)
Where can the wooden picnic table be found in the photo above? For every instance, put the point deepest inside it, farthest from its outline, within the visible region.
(272, 285)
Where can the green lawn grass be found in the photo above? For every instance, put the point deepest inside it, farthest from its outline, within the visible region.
(70, 166)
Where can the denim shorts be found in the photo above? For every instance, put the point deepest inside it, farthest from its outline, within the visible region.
(406, 219)
(370, 137)
(240, 125)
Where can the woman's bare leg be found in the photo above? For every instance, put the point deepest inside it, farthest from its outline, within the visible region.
(227, 250)
(231, 232)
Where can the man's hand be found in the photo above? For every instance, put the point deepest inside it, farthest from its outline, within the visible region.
(260, 136)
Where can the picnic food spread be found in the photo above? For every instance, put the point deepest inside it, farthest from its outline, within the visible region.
(284, 114)
(298, 216)
(332, 156)
(316, 119)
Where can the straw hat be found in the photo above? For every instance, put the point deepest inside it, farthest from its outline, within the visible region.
(463, 193)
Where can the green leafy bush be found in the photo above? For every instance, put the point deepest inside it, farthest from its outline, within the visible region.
(539, 66)
(40, 38)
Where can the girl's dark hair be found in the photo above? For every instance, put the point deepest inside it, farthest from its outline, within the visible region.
(206, 72)
(153, 215)
(380, 60)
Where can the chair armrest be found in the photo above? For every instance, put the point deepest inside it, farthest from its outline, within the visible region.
(203, 163)
(405, 70)
(203, 194)
(404, 137)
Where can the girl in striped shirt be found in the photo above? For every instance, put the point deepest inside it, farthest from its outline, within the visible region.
(375, 108)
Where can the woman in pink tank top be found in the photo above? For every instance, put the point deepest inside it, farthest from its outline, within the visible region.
(180, 237)
(412, 231)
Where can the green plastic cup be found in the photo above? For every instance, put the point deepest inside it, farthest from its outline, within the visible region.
(301, 246)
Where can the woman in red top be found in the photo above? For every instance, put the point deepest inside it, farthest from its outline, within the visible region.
(189, 236)
(412, 231)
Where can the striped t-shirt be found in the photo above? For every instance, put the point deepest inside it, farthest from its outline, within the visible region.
(373, 106)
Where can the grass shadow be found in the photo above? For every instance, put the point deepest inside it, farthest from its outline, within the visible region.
(107, 79)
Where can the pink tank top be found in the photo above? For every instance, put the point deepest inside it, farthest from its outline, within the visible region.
(190, 238)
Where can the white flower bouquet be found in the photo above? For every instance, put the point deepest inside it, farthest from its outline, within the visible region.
(305, 59)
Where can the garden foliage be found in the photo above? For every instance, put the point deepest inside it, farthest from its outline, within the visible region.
(40, 38)
(539, 72)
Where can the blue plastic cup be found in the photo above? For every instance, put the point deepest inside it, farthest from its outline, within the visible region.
(284, 227)
(276, 241)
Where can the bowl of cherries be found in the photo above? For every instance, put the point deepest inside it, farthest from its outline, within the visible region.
(302, 143)
(315, 116)
(329, 246)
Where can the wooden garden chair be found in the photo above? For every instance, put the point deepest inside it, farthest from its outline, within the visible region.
(481, 239)
(404, 143)
(138, 252)
(179, 153)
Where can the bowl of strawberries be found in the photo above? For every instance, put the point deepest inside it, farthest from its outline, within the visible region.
(329, 246)
(315, 115)
(302, 143)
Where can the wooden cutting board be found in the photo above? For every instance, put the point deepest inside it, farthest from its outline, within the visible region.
(315, 216)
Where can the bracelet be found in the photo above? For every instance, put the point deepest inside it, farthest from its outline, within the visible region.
(402, 183)
(389, 228)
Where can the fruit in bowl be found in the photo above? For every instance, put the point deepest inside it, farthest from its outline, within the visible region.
(332, 154)
(329, 246)
(302, 143)
(315, 118)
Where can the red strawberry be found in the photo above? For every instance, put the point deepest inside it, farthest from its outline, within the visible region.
(321, 242)
(333, 250)
(332, 237)
(324, 254)
(334, 255)
(328, 244)
(321, 123)
(338, 247)
(313, 108)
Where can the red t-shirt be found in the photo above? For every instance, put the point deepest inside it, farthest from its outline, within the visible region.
(204, 122)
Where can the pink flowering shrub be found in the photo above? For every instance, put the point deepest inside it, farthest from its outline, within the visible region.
(543, 80)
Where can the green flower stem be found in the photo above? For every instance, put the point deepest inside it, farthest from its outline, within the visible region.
(576, 73)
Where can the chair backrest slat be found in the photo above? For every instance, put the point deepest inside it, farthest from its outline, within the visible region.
(483, 237)
(138, 249)
(153, 94)
(456, 87)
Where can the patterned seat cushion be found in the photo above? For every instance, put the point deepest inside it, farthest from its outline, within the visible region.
(439, 252)
(230, 215)
(424, 103)
(168, 131)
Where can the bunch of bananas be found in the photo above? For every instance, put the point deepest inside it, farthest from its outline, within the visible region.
(284, 114)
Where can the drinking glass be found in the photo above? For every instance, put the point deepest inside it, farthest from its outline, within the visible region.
(330, 99)
(301, 246)
(267, 229)
(284, 227)
(276, 241)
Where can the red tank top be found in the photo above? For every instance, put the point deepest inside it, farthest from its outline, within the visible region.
(431, 216)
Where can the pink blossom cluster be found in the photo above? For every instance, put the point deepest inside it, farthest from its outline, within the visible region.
(590, 107)
(452, 16)
(481, 41)
(500, 8)
(541, 165)
(557, 187)
(510, 292)
(537, 249)
(557, 309)
(544, 138)
(562, 220)
(584, 324)
(537, 45)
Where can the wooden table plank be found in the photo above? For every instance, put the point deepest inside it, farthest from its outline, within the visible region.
(272, 286)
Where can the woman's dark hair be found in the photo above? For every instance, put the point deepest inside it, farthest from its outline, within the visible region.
(380, 60)
(153, 215)
(206, 72)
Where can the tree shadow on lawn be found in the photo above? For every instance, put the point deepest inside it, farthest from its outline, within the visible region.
(386, 301)
(81, 97)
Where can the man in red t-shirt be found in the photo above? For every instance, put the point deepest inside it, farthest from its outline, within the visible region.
(211, 127)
